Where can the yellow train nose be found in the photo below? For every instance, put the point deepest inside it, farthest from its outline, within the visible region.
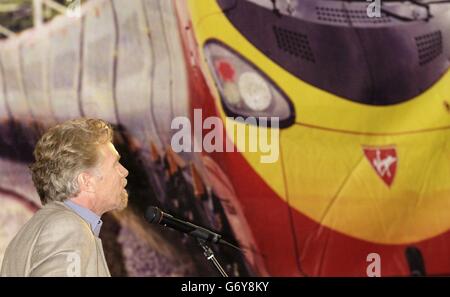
(389, 189)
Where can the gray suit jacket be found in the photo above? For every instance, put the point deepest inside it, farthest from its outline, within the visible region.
(55, 242)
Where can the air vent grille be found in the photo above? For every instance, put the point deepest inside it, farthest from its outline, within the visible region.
(294, 43)
(355, 16)
(429, 46)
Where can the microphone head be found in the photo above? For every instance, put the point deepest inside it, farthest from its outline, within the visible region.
(153, 215)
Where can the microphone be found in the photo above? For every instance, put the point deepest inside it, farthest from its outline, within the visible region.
(155, 216)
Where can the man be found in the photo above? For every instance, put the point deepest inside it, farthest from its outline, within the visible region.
(78, 177)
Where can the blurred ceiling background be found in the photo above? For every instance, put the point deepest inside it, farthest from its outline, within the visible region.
(17, 15)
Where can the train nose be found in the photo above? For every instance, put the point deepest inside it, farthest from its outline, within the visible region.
(354, 183)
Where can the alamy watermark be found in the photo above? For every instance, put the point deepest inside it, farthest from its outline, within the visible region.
(73, 8)
(374, 267)
(262, 134)
(374, 9)
(74, 266)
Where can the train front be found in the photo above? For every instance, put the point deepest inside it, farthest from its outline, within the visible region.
(360, 184)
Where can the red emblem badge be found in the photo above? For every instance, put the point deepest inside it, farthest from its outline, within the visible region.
(384, 161)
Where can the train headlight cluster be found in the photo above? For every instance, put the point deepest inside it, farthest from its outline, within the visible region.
(244, 89)
(254, 91)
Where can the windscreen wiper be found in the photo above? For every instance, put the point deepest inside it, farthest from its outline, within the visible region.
(275, 9)
(438, 2)
(425, 5)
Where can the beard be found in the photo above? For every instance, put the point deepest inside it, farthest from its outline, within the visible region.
(123, 200)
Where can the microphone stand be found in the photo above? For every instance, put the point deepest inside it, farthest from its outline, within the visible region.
(209, 254)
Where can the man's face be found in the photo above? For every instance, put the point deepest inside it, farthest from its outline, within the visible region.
(110, 180)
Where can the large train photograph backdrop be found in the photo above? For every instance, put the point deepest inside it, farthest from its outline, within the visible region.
(362, 171)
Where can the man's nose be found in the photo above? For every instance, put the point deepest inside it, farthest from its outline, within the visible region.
(124, 171)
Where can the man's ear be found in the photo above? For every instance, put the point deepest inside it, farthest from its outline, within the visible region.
(86, 182)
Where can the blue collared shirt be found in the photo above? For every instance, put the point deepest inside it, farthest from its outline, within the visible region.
(94, 220)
